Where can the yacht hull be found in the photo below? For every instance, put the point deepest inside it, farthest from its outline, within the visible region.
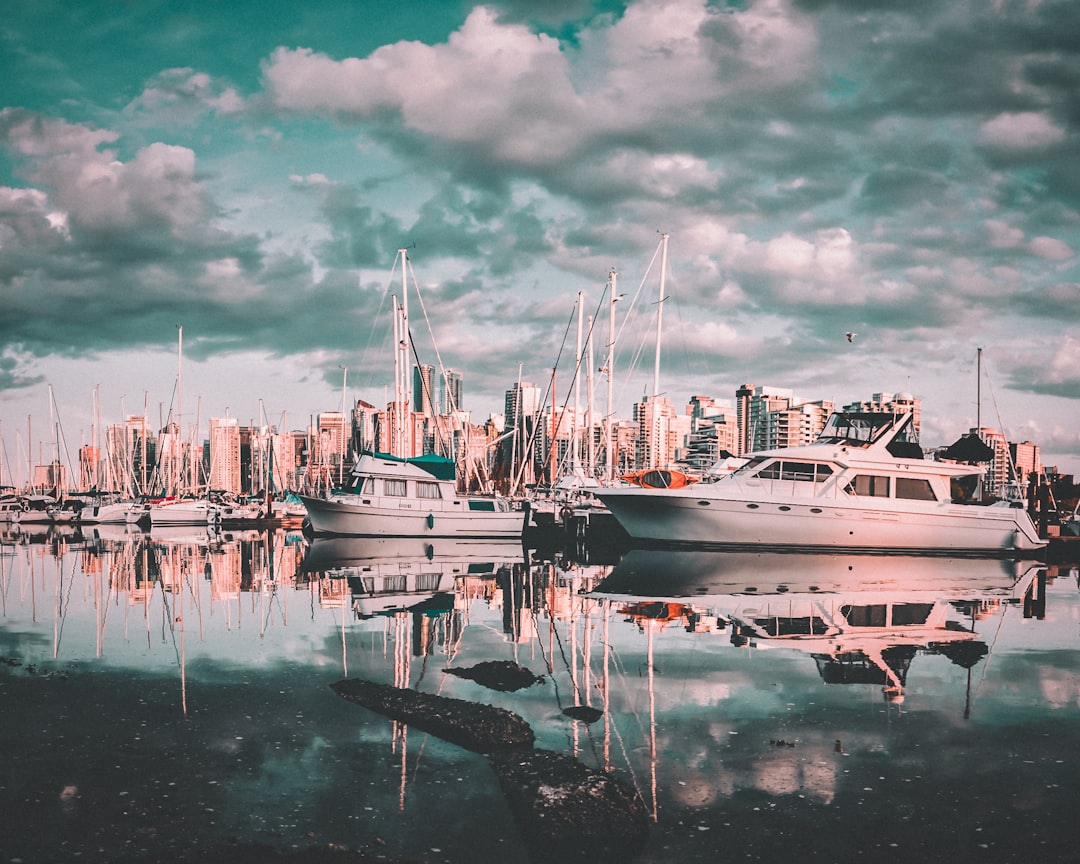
(693, 516)
(407, 518)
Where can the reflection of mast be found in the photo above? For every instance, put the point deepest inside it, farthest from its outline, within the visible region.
(652, 721)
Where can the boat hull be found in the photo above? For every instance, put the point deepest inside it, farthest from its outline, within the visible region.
(409, 519)
(813, 524)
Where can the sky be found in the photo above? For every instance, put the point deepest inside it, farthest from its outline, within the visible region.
(243, 173)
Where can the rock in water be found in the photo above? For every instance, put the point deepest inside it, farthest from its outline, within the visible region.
(503, 675)
(480, 728)
(585, 713)
(569, 812)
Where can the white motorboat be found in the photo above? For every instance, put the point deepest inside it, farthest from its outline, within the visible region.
(176, 511)
(389, 497)
(863, 485)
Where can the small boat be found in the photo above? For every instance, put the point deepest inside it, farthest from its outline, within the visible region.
(862, 486)
(177, 511)
(390, 497)
(659, 478)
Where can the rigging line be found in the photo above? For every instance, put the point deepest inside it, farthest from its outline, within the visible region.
(377, 320)
(626, 320)
(990, 653)
(561, 465)
(537, 426)
(1001, 426)
(64, 604)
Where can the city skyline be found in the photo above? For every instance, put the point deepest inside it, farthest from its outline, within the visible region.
(857, 201)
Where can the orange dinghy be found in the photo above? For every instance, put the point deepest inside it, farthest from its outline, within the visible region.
(659, 478)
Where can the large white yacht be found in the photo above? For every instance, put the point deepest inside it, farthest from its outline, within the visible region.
(389, 497)
(863, 485)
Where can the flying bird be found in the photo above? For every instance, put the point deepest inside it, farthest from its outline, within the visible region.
(851, 336)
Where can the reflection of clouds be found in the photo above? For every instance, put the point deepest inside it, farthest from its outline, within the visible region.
(1060, 689)
(804, 770)
(695, 789)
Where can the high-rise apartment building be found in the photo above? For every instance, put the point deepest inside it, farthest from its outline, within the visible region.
(451, 400)
(424, 396)
(225, 455)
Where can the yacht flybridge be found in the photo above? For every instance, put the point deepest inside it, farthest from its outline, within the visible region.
(862, 486)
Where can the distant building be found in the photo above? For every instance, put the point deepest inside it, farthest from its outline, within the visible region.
(225, 455)
(661, 432)
(714, 431)
(452, 392)
(423, 390)
(130, 454)
(1025, 457)
(754, 404)
(998, 472)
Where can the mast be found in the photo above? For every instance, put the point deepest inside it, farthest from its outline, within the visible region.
(609, 467)
(179, 406)
(574, 431)
(978, 389)
(590, 450)
(654, 450)
(660, 313)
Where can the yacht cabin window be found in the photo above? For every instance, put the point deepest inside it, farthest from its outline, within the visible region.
(914, 488)
(809, 472)
(361, 486)
(396, 488)
(869, 485)
(427, 489)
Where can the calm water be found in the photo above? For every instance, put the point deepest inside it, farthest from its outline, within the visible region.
(165, 694)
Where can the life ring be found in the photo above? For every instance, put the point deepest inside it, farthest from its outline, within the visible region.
(566, 514)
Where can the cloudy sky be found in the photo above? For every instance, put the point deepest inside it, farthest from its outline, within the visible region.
(905, 170)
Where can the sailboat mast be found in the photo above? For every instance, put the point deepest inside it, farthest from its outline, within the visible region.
(978, 389)
(406, 365)
(395, 443)
(609, 461)
(660, 313)
(179, 438)
(574, 431)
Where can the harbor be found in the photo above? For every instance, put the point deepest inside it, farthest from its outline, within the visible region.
(171, 695)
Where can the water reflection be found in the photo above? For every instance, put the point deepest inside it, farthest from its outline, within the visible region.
(728, 688)
(862, 619)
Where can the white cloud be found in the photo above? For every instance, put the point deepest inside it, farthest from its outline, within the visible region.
(1025, 130)
(1051, 248)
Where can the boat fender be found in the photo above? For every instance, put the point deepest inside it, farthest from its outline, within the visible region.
(430, 520)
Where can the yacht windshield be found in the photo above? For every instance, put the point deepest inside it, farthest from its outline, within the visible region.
(863, 429)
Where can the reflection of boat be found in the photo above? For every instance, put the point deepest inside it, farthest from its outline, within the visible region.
(390, 497)
(862, 618)
(390, 574)
(863, 485)
(694, 572)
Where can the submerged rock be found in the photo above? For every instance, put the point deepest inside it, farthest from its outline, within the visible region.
(569, 812)
(503, 675)
(585, 713)
(480, 728)
(565, 810)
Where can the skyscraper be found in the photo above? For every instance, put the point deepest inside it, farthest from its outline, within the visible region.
(423, 389)
(452, 392)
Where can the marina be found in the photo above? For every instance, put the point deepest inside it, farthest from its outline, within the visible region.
(170, 694)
